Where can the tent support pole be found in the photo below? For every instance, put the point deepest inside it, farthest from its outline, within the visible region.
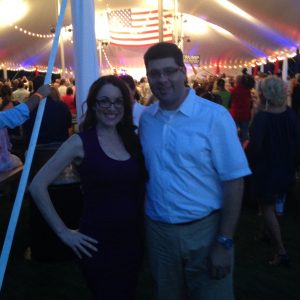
(160, 20)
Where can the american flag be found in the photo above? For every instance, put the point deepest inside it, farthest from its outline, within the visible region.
(138, 27)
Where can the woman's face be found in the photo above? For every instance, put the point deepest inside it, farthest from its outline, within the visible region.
(109, 106)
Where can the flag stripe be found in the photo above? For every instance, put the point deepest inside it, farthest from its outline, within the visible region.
(137, 27)
(141, 39)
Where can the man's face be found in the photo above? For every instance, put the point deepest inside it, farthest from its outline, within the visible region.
(166, 80)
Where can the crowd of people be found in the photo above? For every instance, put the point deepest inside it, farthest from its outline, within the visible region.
(164, 160)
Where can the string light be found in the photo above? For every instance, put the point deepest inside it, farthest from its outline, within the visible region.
(272, 59)
(27, 32)
(277, 55)
(16, 68)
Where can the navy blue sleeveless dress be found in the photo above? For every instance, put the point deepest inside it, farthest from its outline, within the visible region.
(273, 153)
(112, 214)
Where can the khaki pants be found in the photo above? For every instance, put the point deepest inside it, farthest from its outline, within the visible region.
(178, 260)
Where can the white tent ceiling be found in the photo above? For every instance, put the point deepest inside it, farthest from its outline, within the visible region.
(270, 26)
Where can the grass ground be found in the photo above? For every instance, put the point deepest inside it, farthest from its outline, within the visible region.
(254, 278)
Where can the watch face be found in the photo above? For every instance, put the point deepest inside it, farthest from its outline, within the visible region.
(225, 242)
(228, 244)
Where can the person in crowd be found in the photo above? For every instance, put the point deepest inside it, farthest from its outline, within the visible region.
(12, 118)
(144, 90)
(137, 108)
(8, 160)
(14, 84)
(223, 93)
(231, 83)
(273, 153)
(56, 121)
(62, 87)
(54, 93)
(205, 91)
(72, 84)
(21, 94)
(19, 114)
(241, 104)
(109, 159)
(69, 99)
(6, 98)
(195, 164)
(295, 100)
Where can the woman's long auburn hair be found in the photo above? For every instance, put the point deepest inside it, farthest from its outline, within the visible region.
(90, 119)
(125, 127)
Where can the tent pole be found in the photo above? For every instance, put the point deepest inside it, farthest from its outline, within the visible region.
(62, 47)
(160, 20)
(100, 58)
(33, 140)
(176, 22)
(86, 57)
(62, 57)
(4, 72)
(285, 69)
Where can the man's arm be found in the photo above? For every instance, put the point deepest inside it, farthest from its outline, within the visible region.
(221, 259)
(232, 202)
(18, 115)
(40, 94)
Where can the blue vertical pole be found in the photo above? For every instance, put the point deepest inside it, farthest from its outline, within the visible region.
(24, 178)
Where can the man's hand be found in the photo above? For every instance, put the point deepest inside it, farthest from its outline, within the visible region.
(40, 94)
(220, 261)
(44, 90)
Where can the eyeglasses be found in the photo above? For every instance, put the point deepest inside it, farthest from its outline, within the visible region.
(105, 102)
(169, 72)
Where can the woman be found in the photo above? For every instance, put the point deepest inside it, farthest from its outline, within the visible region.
(111, 166)
(8, 160)
(273, 154)
(240, 107)
(69, 99)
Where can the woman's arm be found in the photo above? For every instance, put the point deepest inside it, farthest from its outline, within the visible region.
(71, 150)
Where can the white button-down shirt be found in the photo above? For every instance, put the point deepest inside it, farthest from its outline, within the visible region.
(189, 153)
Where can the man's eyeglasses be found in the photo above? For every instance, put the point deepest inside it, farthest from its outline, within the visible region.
(169, 72)
(105, 102)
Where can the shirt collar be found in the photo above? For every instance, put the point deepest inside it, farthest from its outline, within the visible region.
(186, 107)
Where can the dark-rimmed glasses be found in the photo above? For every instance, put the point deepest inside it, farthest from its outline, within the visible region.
(105, 102)
(169, 72)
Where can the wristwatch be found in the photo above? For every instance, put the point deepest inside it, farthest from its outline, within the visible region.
(225, 241)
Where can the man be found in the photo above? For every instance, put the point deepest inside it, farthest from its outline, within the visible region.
(19, 114)
(195, 164)
(57, 118)
(20, 94)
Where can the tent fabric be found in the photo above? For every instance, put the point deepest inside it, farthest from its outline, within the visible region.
(270, 26)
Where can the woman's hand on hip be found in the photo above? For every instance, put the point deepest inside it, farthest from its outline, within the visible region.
(79, 242)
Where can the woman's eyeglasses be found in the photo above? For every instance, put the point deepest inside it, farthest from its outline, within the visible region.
(105, 102)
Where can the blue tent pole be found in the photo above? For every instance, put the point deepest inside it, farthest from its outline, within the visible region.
(24, 178)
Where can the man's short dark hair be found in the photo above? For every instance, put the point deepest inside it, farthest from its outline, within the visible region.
(20, 84)
(37, 82)
(164, 50)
